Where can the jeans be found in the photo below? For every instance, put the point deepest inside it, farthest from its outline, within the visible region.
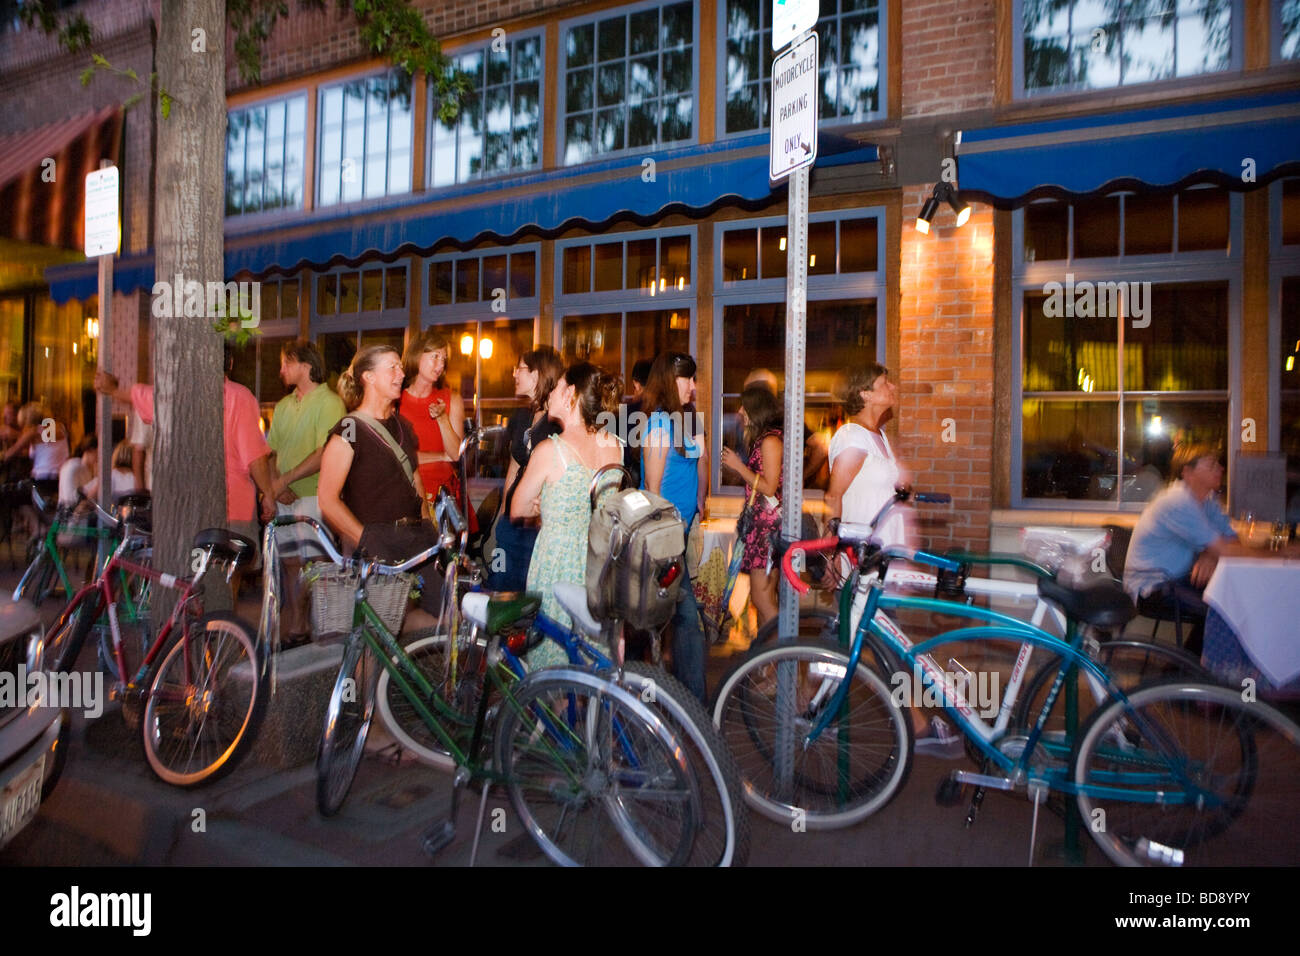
(688, 639)
(1189, 601)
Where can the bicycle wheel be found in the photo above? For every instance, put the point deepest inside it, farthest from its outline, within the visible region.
(37, 581)
(722, 834)
(428, 653)
(817, 625)
(207, 694)
(1131, 664)
(347, 722)
(850, 771)
(64, 639)
(585, 761)
(1165, 773)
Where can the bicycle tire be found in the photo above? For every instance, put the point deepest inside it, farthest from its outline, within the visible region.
(65, 638)
(580, 756)
(1131, 664)
(428, 653)
(347, 724)
(722, 835)
(816, 624)
(207, 694)
(35, 584)
(820, 795)
(1242, 759)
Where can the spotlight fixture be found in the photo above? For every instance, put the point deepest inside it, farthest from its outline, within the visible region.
(943, 192)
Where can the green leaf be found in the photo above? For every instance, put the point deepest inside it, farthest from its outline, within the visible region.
(165, 101)
(132, 100)
(99, 60)
(130, 73)
(86, 75)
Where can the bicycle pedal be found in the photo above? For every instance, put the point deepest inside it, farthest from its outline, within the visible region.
(438, 837)
(949, 793)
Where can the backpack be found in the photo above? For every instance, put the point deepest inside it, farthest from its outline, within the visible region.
(635, 548)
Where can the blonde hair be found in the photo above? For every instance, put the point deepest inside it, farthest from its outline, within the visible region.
(123, 452)
(32, 414)
(351, 387)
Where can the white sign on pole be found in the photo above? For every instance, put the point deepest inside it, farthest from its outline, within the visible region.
(101, 212)
(794, 109)
(791, 18)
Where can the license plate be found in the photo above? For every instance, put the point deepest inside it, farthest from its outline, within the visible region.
(823, 669)
(20, 800)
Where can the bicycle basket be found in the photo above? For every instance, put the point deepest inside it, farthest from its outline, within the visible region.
(334, 594)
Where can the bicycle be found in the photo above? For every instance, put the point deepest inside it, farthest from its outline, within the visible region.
(200, 690)
(1156, 774)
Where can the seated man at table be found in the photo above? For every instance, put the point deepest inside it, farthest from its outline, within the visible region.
(1178, 540)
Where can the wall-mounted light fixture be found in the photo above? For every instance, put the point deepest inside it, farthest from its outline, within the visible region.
(943, 192)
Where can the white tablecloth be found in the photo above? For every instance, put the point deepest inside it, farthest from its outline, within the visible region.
(1260, 599)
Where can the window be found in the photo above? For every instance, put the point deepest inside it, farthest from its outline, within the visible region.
(495, 276)
(618, 340)
(1118, 363)
(1286, 30)
(851, 50)
(371, 290)
(265, 149)
(629, 81)
(365, 138)
(1099, 44)
(498, 127)
(1290, 392)
(845, 283)
(641, 263)
(1126, 224)
(1290, 212)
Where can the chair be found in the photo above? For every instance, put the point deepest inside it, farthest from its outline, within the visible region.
(1149, 606)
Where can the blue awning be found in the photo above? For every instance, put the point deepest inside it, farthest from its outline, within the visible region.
(695, 179)
(1161, 148)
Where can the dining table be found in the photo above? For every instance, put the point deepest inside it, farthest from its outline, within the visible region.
(1253, 626)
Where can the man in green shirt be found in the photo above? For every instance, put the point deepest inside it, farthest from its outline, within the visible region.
(299, 430)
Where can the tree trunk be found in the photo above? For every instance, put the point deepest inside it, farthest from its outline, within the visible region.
(189, 473)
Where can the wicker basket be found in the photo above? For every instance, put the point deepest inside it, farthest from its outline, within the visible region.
(334, 593)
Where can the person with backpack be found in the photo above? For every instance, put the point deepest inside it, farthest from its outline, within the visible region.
(536, 375)
(675, 465)
(556, 487)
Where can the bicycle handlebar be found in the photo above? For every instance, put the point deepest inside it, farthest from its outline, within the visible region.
(326, 541)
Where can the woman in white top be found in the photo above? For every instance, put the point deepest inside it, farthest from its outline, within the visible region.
(864, 471)
(44, 439)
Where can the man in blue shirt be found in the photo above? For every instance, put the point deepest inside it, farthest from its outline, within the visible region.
(1179, 538)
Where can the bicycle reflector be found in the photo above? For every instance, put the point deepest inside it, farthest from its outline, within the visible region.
(670, 574)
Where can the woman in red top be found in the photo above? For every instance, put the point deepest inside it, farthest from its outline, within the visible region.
(437, 413)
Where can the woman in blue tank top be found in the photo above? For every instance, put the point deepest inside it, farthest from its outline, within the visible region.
(675, 465)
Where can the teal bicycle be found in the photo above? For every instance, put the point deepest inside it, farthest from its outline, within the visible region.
(1157, 773)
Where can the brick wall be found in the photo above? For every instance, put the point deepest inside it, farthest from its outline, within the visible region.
(946, 374)
(947, 56)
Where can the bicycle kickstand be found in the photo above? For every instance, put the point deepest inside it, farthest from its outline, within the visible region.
(976, 801)
(439, 836)
(1037, 793)
(478, 824)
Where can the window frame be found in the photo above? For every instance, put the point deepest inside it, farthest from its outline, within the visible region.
(319, 134)
(431, 115)
(1236, 62)
(720, 86)
(561, 111)
(449, 313)
(1275, 57)
(262, 102)
(1283, 263)
(361, 320)
(826, 288)
(1162, 269)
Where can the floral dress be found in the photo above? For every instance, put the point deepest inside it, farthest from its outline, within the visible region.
(560, 554)
(764, 516)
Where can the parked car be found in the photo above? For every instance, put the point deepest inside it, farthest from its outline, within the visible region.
(33, 736)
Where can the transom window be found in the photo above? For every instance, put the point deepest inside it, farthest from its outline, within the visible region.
(1125, 224)
(1099, 44)
(645, 265)
(850, 40)
(498, 125)
(495, 276)
(265, 149)
(629, 81)
(370, 290)
(365, 138)
(836, 246)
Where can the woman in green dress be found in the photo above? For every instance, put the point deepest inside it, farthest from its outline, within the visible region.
(556, 488)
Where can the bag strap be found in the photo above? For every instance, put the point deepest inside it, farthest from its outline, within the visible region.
(383, 433)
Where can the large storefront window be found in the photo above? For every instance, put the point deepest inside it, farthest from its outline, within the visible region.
(365, 139)
(1289, 406)
(497, 129)
(851, 52)
(618, 340)
(1100, 44)
(629, 81)
(64, 344)
(265, 149)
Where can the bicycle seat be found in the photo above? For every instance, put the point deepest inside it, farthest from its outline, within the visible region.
(226, 545)
(1101, 605)
(573, 598)
(494, 614)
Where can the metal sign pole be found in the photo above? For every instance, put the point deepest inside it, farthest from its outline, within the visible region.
(104, 403)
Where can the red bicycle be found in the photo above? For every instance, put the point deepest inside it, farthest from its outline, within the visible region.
(200, 691)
